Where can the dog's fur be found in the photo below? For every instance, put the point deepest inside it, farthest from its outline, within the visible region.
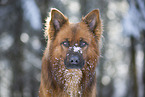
(56, 79)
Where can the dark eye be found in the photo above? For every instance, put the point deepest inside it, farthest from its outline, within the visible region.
(83, 43)
(65, 43)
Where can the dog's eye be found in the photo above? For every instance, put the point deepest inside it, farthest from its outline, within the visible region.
(83, 43)
(65, 43)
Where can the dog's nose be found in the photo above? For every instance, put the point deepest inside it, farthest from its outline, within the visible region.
(74, 60)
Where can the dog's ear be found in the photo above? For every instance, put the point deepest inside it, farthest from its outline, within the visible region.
(54, 23)
(93, 21)
(57, 19)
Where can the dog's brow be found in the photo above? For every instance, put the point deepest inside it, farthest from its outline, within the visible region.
(74, 28)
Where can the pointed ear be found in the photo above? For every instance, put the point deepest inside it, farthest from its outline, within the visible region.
(93, 21)
(57, 19)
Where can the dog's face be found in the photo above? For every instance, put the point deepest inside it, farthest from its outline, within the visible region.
(73, 46)
(77, 45)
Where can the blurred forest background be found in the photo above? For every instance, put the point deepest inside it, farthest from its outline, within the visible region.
(121, 69)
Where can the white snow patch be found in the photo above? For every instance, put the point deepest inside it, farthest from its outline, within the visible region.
(72, 82)
(133, 22)
(32, 13)
(77, 49)
(6, 41)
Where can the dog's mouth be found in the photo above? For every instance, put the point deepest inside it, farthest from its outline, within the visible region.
(74, 60)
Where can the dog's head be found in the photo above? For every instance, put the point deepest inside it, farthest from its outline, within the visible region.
(73, 46)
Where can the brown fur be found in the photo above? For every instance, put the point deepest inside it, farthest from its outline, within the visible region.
(56, 80)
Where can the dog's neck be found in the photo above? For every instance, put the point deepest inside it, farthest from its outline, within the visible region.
(73, 82)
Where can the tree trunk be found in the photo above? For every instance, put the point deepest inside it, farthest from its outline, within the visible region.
(15, 53)
(144, 62)
(133, 71)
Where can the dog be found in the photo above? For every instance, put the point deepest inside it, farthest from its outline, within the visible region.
(71, 56)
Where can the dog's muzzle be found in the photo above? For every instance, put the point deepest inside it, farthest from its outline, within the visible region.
(74, 60)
